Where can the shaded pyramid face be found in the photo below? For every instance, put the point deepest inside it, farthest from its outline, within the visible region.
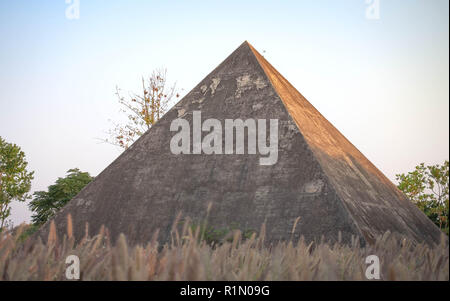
(318, 174)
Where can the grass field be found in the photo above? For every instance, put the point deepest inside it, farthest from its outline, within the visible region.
(188, 257)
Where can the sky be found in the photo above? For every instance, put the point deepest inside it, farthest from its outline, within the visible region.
(377, 70)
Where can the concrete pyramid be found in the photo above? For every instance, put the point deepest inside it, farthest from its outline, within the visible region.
(318, 175)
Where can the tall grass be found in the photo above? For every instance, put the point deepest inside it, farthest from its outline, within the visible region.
(188, 257)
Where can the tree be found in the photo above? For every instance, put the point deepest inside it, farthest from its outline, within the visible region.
(142, 110)
(428, 188)
(15, 180)
(46, 203)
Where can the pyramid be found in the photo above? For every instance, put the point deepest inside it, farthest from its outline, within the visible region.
(319, 178)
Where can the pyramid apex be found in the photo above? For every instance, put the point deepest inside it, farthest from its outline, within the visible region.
(246, 42)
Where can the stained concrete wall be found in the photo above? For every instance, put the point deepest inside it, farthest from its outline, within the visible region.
(147, 186)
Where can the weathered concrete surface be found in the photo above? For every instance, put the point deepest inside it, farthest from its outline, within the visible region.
(320, 176)
(373, 201)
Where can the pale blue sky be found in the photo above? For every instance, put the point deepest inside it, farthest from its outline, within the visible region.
(383, 83)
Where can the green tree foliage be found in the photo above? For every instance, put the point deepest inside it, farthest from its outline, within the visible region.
(46, 203)
(427, 187)
(15, 180)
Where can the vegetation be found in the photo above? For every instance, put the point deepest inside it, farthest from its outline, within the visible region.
(15, 180)
(189, 258)
(215, 236)
(142, 110)
(46, 203)
(427, 187)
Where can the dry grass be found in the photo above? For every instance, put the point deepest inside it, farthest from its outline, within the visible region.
(189, 258)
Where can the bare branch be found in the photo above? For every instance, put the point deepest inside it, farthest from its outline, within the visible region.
(143, 110)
